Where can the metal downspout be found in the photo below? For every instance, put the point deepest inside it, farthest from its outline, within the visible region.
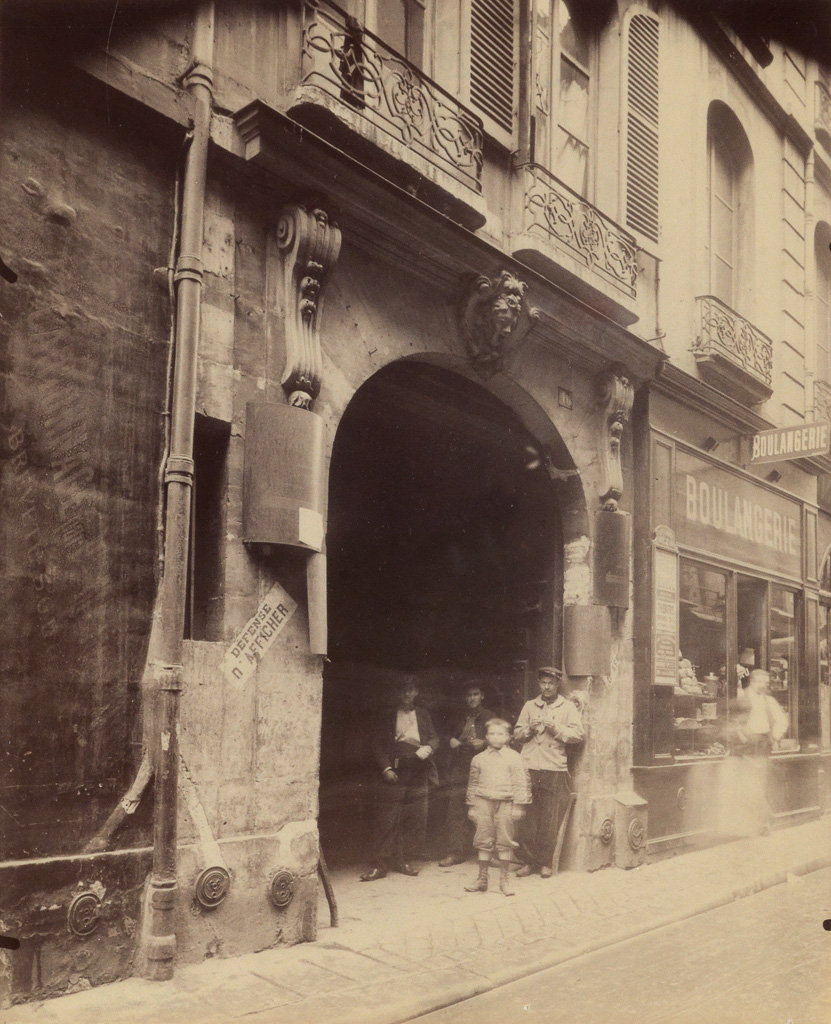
(158, 935)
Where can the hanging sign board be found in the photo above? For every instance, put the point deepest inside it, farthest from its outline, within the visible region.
(784, 443)
(258, 634)
(664, 609)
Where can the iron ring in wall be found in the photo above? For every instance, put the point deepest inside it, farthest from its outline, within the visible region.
(84, 914)
(212, 887)
(281, 888)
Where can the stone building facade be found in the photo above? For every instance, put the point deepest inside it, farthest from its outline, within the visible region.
(337, 345)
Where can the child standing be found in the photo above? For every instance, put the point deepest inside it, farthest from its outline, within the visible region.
(498, 789)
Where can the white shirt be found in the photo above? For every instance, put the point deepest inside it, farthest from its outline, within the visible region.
(406, 727)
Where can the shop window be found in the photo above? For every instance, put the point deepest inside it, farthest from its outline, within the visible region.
(700, 703)
(783, 668)
(730, 189)
(642, 125)
(571, 157)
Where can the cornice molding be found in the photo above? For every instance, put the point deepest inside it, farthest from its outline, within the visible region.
(381, 219)
(696, 394)
(707, 25)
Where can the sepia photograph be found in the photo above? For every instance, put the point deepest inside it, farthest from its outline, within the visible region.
(415, 511)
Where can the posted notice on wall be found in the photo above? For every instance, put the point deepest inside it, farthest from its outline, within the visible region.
(258, 634)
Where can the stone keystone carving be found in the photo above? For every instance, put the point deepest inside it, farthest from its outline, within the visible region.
(309, 245)
(616, 393)
(495, 318)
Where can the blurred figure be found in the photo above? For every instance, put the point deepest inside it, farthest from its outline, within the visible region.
(756, 724)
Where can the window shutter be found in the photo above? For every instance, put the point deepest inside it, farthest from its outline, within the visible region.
(642, 126)
(492, 60)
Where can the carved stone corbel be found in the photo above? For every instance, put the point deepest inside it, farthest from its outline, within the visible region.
(616, 393)
(494, 319)
(309, 245)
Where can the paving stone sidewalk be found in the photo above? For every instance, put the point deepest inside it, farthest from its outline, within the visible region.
(410, 945)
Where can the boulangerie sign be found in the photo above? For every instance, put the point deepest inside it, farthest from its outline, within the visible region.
(723, 513)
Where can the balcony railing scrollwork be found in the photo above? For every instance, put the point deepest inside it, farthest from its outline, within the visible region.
(562, 217)
(738, 354)
(351, 64)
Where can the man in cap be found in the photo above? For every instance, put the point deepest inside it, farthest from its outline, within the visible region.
(544, 727)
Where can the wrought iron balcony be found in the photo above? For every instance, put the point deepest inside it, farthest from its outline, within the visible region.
(733, 354)
(822, 399)
(822, 114)
(388, 94)
(562, 219)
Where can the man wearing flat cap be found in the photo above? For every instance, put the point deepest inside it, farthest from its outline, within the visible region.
(544, 727)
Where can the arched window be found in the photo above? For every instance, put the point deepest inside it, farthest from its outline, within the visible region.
(730, 195)
(822, 253)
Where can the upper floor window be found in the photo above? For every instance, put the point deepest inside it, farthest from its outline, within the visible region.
(822, 250)
(401, 24)
(642, 69)
(730, 195)
(571, 156)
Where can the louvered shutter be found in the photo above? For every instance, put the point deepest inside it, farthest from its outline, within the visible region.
(642, 126)
(492, 60)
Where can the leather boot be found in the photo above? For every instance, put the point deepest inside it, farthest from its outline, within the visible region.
(505, 878)
(481, 883)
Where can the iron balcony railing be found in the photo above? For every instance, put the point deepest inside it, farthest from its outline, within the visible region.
(722, 332)
(553, 212)
(351, 64)
(822, 399)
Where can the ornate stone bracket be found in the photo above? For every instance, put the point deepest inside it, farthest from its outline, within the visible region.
(309, 245)
(616, 393)
(494, 319)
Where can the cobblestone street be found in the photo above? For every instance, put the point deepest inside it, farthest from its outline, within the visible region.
(765, 959)
(408, 946)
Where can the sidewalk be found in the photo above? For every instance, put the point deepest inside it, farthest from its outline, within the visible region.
(410, 945)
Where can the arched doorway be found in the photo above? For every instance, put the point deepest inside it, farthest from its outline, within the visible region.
(445, 561)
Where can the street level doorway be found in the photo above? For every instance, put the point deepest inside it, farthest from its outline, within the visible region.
(445, 564)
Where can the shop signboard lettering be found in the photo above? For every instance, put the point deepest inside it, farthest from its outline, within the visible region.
(720, 512)
(791, 442)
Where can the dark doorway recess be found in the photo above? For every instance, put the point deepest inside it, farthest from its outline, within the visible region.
(445, 555)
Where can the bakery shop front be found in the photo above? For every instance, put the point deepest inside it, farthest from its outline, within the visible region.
(729, 575)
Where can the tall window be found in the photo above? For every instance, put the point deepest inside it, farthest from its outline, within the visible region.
(400, 23)
(642, 125)
(571, 157)
(730, 194)
(822, 247)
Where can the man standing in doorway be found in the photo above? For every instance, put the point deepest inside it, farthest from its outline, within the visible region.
(544, 727)
(467, 740)
(404, 742)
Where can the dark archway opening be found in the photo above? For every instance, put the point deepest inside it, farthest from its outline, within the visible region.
(445, 562)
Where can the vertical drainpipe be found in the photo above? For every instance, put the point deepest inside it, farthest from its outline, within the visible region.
(159, 937)
(810, 284)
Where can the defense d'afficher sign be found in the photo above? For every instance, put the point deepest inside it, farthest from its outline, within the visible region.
(783, 443)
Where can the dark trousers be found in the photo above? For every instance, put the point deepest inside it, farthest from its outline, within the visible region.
(550, 793)
(401, 814)
(459, 830)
